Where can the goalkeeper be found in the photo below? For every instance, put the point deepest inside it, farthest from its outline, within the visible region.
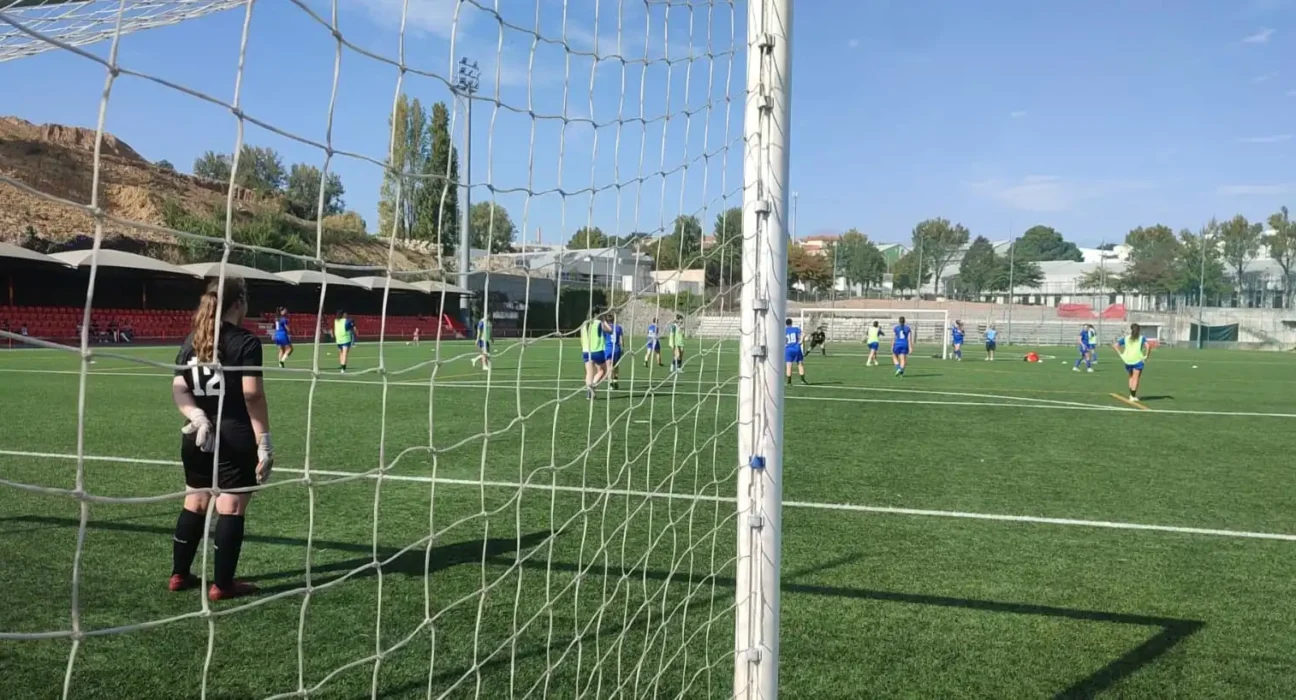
(819, 339)
(243, 433)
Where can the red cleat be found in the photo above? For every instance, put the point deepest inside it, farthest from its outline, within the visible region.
(183, 582)
(238, 590)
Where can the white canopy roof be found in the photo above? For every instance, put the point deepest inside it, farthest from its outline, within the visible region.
(9, 250)
(378, 283)
(211, 270)
(316, 277)
(122, 259)
(437, 286)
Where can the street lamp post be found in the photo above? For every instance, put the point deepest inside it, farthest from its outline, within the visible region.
(1012, 253)
(469, 79)
(1201, 287)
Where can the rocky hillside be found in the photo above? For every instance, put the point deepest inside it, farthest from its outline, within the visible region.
(59, 161)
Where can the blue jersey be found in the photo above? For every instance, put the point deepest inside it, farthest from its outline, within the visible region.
(1086, 338)
(957, 334)
(618, 336)
(901, 335)
(281, 325)
(991, 334)
(652, 332)
(793, 336)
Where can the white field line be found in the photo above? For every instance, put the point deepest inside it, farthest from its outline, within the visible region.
(999, 401)
(809, 505)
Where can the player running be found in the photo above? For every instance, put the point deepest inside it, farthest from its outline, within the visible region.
(1134, 352)
(992, 342)
(243, 434)
(282, 336)
(416, 337)
(653, 346)
(592, 352)
(1086, 349)
(874, 339)
(794, 351)
(483, 344)
(675, 338)
(612, 347)
(956, 337)
(901, 346)
(344, 333)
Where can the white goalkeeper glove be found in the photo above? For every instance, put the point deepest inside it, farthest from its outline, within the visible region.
(200, 426)
(265, 458)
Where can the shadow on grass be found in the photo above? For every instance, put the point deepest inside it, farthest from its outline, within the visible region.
(500, 551)
(1156, 398)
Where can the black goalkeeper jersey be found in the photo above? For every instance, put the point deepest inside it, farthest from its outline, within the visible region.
(237, 347)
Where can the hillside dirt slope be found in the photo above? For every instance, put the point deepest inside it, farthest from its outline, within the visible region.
(59, 161)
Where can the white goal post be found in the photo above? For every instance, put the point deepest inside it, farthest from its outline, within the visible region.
(931, 327)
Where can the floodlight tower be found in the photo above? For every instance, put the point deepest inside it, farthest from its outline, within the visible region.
(468, 80)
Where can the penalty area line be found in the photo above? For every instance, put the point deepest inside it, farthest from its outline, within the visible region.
(1127, 402)
(806, 505)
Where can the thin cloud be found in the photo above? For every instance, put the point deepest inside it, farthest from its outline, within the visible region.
(853, 44)
(1265, 78)
(1048, 193)
(1276, 138)
(1291, 93)
(1017, 114)
(1256, 190)
(1260, 37)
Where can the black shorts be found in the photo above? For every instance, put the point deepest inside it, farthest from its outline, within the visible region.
(238, 459)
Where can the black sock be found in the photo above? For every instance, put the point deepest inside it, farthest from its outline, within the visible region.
(184, 543)
(229, 543)
(344, 368)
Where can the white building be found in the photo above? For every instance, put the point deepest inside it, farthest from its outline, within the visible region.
(676, 281)
(607, 268)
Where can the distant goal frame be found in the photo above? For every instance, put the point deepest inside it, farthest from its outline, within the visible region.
(914, 314)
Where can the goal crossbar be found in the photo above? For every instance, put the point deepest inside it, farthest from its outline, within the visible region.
(851, 324)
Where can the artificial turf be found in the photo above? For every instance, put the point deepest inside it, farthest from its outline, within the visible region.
(581, 585)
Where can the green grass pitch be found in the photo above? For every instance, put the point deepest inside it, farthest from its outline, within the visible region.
(444, 579)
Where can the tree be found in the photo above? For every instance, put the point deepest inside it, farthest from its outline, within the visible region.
(1041, 243)
(304, 191)
(1239, 242)
(812, 271)
(904, 274)
(858, 260)
(1107, 247)
(688, 232)
(1012, 273)
(978, 267)
(259, 169)
(1194, 272)
(437, 201)
(165, 165)
(1282, 248)
(940, 242)
(1102, 280)
(213, 166)
(588, 237)
(724, 259)
(1154, 254)
(491, 227)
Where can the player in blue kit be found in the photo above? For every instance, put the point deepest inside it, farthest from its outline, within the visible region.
(653, 346)
(901, 346)
(794, 352)
(282, 336)
(956, 336)
(1086, 346)
(612, 346)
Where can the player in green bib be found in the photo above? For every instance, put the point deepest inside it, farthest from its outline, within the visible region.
(593, 341)
(675, 338)
(344, 332)
(1134, 352)
(874, 339)
(483, 343)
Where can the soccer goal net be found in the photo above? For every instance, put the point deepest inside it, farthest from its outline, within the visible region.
(931, 327)
(472, 239)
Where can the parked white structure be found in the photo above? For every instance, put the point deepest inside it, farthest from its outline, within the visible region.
(606, 268)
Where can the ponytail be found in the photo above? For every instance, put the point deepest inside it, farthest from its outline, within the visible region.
(1134, 330)
(206, 317)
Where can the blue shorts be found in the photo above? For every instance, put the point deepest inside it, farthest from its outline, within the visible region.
(484, 344)
(958, 340)
(616, 355)
(873, 346)
(282, 341)
(899, 349)
(345, 346)
(654, 345)
(595, 357)
(793, 354)
(990, 345)
(1130, 368)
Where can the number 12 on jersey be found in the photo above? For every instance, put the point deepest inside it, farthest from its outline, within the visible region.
(206, 382)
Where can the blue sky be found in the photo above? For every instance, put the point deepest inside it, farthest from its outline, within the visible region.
(1090, 117)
